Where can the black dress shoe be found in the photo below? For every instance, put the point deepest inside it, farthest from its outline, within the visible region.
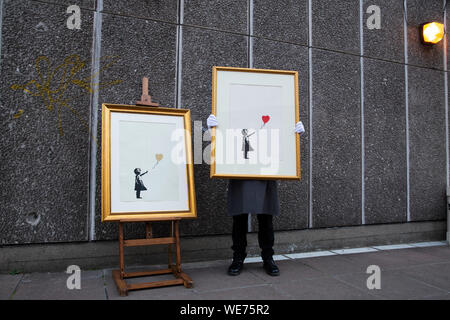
(271, 268)
(236, 267)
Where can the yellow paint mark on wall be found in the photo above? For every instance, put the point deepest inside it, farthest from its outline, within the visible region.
(18, 114)
(52, 84)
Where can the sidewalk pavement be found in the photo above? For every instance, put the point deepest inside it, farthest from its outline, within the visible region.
(419, 271)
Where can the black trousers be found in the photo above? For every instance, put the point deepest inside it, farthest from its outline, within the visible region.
(265, 236)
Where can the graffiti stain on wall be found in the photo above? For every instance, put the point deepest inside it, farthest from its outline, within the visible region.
(52, 84)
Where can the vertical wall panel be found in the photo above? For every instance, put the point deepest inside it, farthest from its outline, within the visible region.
(387, 42)
(420, 12)
(166, 10)
(427, 144)
(44, 128)
(336, 171)
(285, 20)
(335, 25)
(140, 48)
(227, 15)
(202, 49)
(293, 194)
(385, 142)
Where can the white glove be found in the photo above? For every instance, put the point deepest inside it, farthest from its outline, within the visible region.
(211, 121)
(299, 128)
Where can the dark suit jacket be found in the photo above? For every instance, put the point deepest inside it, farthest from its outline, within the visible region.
(253, 196)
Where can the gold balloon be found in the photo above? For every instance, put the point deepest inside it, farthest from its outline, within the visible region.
(159, 156)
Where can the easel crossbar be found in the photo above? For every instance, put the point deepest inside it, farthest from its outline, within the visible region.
(146, 273)
(148, 242)
(154, 284)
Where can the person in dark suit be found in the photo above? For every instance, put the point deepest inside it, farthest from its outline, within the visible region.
(138, 183)
(258, 197)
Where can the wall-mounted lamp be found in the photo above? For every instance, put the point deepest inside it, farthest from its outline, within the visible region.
(431, 32)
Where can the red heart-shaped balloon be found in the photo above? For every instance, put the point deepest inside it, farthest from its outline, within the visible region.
(265, 119)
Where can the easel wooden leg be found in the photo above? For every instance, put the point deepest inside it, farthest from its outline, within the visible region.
(118, 275)
(169, 249)
(121, 256)
(148, 230)
(187, 282)
(177, 244)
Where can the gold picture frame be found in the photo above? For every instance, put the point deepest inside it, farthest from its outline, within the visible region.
(114, 200)
(295, 172)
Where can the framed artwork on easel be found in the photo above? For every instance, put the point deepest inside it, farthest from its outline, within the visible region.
(147, 168)
(257, 110)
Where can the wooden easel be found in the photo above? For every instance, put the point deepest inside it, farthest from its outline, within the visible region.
(119, 276)
(146, 99)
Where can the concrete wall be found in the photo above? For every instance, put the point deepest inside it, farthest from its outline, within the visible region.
(374, 104)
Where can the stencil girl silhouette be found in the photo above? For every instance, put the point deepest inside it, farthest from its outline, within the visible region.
(246, 147)
(139, 184)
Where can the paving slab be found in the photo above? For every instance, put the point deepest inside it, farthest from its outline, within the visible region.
(210, 279)
(8, 285)
(334, 265)
(259, 292)
(438, 297)
(440, 252)
(325, 288)
(53, 286)
(165, 293)
(395, 259)
(437, 275)
(289, 270)
(395, 285)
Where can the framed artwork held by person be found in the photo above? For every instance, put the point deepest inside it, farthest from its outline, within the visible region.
(256, 110)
